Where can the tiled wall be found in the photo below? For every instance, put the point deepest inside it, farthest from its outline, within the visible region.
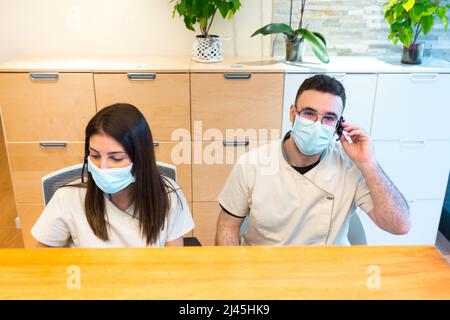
(354, 27)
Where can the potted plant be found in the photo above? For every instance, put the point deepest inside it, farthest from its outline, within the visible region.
(206, 48)
(295, 39)
(408, 19)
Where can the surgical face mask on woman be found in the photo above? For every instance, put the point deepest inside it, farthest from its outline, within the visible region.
(311, 137)
(111, 180)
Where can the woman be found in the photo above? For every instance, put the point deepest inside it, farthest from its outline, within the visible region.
(125, 202)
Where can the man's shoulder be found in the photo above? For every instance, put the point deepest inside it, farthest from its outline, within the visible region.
(260, 153)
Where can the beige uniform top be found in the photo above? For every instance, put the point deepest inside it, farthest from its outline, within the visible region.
(287, 208)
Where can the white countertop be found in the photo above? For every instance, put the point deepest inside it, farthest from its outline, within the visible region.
(178, 63)
(353, 64)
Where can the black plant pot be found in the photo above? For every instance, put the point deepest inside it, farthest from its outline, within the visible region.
(413, 54)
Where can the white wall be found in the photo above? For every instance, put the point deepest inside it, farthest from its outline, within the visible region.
(45, 27)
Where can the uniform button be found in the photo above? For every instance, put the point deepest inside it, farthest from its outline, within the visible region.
(330, 198)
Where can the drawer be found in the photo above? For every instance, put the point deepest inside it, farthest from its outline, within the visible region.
(212, 163)
(29, 214)
(419, 169)
(30, 162)
(412, 106)
(360, 92)
(50, 109)
(205, 217)
(162, 98)
(222, 102)
(424, 215)
(164, 150)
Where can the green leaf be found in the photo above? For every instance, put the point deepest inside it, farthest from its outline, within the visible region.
(223, 9)
(273, 28)
(427, 23)
(440, 12)
(408, 4)
(445, 23)
(188, 23)
(320, 36)
(203, 11)
(317, 45)
(398, 11)
(416, 14)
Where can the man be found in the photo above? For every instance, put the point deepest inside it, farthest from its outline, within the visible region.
(317, 184)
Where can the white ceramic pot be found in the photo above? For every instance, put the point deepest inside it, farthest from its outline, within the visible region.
(207, 49)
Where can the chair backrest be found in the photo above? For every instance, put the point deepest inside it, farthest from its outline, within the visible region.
(54, 180)
(356, 234)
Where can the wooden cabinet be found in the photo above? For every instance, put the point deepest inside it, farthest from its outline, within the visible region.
(218, 158)
(28, 214)
(229, 101)
(45, 115)
(30, 162)
(232, 113)
(46, 106)
(205, 217)
(162, 98)
(173, 153)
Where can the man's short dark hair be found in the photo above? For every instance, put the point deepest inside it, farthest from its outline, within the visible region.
(323, 83)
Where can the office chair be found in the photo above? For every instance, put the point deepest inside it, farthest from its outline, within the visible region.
(54, 180)
(356, 234)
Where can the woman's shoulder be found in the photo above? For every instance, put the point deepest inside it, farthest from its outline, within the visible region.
(171, 185)
(70, 193)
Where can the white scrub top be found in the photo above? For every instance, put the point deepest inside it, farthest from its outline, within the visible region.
(287, 208)
(63, 222)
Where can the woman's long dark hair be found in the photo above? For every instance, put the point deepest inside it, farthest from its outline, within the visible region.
(127, 125)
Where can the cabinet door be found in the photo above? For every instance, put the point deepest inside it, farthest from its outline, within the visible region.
(30, 162)
(412, 106)
(424, 216)
(28, 214)
(419, 169)
(250, 102)
(212, 163)
(205, 218)
(360, 93)
(42, 106)
(162, 98)
(178, 154)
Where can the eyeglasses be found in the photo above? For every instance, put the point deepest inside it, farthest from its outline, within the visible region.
(327, 120)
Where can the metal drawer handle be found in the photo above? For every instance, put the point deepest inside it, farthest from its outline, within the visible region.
(141, 76)
(237, 76)
(53, 144)
(338, 76)
(424, 77)
(227, 143)
(155, 144)
(412, 143)
(49, 76)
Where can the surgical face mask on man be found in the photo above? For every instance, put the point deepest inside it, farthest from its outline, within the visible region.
(311, 137)
(111, 180)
